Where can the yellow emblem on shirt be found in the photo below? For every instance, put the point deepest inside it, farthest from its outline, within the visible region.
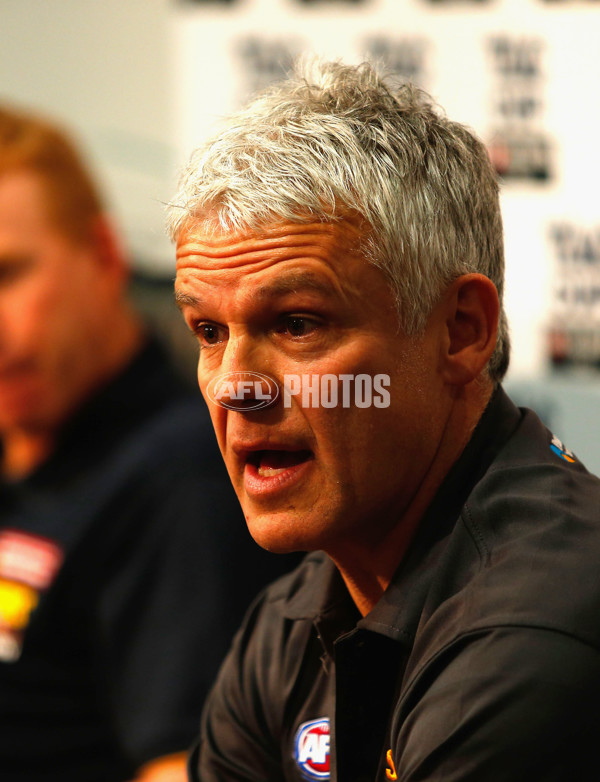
(17, 601)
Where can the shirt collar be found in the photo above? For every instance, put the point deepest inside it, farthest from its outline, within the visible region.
(398, 612)
(320, 592)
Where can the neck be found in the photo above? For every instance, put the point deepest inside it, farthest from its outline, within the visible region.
(368, 566)
(27, 447)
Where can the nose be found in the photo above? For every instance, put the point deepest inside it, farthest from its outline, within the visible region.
(241, 353)
(242, 383)
(243, 391)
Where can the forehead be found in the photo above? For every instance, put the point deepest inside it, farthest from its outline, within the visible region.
(23, 203)
(314, 256)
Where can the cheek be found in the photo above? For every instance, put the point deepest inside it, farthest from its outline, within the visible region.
(201, 383)
(343, 437)
(54, 306)
(205, 375)
(215, 411)
(218, 417)
(27, 315)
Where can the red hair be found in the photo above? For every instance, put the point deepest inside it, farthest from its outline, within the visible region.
(30, 143)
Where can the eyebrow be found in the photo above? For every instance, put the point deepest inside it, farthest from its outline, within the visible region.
(182, 299)
(290, 283)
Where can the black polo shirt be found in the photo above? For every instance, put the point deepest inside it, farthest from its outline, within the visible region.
(125, 568)
(480, 662)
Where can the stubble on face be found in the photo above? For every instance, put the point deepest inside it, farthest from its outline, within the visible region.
(354, 469)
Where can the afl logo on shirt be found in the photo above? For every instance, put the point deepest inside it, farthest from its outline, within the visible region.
(312, 749)
(560, 450)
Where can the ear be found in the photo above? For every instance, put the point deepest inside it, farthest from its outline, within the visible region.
(471, 310)
(108, 251)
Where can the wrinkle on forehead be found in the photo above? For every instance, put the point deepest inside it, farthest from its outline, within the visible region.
(289, 280)
(309, 258)
(280, 241)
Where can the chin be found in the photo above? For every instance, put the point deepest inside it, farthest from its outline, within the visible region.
(280, 533)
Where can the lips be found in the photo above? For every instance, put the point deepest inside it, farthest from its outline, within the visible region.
(268, 471)
(272, 462)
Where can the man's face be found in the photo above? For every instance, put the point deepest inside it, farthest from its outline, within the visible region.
(299, 300)
(50, 319)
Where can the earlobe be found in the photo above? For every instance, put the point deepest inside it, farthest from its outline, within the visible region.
(471, 310)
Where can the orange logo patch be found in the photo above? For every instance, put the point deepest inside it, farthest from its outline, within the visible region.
(390, 772)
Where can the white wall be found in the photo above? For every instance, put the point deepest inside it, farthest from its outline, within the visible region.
(452, 40)
(102, 67)
(142, 81)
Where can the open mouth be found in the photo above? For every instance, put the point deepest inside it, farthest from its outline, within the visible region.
(270, 463)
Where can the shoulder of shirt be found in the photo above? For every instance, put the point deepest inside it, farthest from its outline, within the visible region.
(525, 552)
(532, 485)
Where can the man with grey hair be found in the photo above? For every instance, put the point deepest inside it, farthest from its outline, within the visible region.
(340, 259)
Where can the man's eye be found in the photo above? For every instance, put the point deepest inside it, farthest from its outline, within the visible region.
(297, 326)
(209, 333)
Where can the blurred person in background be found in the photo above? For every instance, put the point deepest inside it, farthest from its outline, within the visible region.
(337, 231)
(124, 569)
